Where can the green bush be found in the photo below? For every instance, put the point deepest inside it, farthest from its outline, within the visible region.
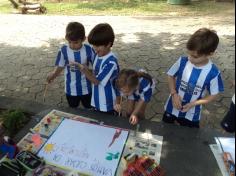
(13, 120)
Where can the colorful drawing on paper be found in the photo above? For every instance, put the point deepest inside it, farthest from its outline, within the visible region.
(48, 148)
(31, 142)
(85, 147)
(48, 125)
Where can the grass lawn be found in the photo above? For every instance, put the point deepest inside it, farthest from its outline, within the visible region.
(133, 7)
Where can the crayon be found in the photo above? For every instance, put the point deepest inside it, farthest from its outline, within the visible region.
(48, 120)
(121, 99)
(46, 125)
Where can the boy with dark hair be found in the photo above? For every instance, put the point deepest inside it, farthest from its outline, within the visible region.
(105, 68)
(190, 78)
(77, 86)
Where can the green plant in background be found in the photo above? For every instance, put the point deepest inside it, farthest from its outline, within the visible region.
(13, 120)
(128, 7)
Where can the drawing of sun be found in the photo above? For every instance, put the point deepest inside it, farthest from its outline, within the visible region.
(49, 148)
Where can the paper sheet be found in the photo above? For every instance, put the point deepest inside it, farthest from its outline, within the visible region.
(228, 145)
(85, 147)
(142, 144)
(218, 155)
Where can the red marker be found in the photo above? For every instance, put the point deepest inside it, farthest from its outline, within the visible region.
(48, 120)
(116, 135)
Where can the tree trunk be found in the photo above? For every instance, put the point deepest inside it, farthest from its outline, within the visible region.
(15, 5)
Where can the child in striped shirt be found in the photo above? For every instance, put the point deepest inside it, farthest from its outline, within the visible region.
(138, 86)
(105, 69)
(77, 86)
(190, 78)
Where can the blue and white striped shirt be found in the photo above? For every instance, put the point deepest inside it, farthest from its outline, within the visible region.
(144, 92)
(192, 83)
(76, 84)
(106, 70)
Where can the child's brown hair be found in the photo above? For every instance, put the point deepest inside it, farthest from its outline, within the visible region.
(130, 78)
(75, 31)
(204, 41)
(101, 34)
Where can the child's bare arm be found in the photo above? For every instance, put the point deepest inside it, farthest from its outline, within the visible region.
(176, 99)
(118, 105)
(57, 71)
(88, 73)
(202, 101)
(138, 110)
(172, 84)
(205, 100)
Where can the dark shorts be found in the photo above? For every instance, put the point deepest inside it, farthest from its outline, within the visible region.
(169, 118)
(228, 123)
(74, 101)
(112, 112)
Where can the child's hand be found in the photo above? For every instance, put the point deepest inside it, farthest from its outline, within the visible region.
(177, 102)
(50, 78)
(72, 63)
(133, 119)
(117, 107)
(232, 84)
(187, 107)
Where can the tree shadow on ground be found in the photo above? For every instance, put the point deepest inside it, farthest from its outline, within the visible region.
(23, 70)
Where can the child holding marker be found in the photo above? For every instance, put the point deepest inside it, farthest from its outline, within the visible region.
(77, 86)
(105, 69)
(138, 86)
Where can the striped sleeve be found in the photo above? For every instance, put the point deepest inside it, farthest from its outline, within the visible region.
(173, 71)
(147, 90)
(90, 53)
(106, 73)
(93, 55)
(216, 85)
(60, 61)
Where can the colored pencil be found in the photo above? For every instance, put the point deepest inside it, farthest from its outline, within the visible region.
(121, 99)
(45, 91)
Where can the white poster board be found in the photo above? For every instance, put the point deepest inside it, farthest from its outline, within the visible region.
(85, 147)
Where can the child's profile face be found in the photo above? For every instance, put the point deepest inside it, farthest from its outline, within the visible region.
(102, 50)
(196, 59)
(75, 45)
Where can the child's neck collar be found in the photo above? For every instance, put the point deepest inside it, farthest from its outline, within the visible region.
(105, 55)
(202, 64)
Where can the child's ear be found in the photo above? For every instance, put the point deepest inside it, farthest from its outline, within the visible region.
(84, 38)
(212, 53)
(109, 45)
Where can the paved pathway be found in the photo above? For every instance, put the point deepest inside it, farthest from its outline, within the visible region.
(30, 43)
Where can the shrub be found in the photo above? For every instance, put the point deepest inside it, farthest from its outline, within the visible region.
(13, 120)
